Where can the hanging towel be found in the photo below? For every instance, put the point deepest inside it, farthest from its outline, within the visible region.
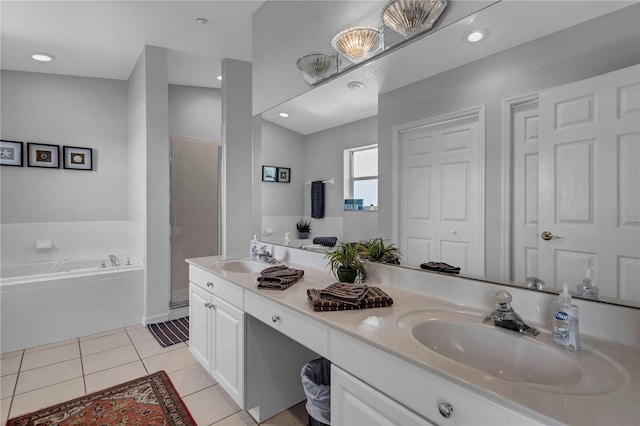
(317, 199)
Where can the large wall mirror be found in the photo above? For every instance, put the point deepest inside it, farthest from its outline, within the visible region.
(512, 157)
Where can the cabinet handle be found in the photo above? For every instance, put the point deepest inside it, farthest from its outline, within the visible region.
(446, 409)
(209, 284)
(206, 304)
(274, 318)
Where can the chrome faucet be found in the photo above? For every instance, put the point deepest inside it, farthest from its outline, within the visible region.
(265, 256)
(535, 283)
(114, 260)
(504, 316)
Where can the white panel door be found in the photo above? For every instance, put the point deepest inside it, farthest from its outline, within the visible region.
(440, 214)
(589, 182)
(200, 329)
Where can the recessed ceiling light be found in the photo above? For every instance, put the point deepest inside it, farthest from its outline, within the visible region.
(219, 78)
(42, 57)
(476, 35)
(201, 21)
(283, 114)
(355, 85)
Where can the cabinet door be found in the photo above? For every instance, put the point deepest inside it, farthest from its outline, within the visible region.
(227, 348)
(199, 325)
(355, 403)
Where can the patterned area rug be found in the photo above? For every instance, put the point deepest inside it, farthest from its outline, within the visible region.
(170, 332)
(147, 401)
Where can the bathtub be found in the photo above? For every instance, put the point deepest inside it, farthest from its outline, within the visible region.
(42, 271)
(46, 302)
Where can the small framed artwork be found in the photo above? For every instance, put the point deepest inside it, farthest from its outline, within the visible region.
(77, 158)
(43, 155)
(269, 174)
(11, 153)
(284, 174)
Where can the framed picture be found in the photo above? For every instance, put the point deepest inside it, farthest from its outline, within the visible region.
(77, 158)
(11, 153)
(43, 155)
(284, 174)
(269, 174)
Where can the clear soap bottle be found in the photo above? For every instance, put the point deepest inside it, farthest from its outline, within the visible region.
(565, 321)
(586, 287)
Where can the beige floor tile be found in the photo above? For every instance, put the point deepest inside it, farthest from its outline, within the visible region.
(241, 418)
(8, 385)
(114, 376)
(170, 361)
(294, 416)
(52, 345)
(149, 348)
(48, 375)
(4, 410)
(192, 379)
(109, 359)
(102, 334)
(210, 405)
(45, 397)
(50, 356)
(104, 343)
(10, 365)
(11, 354)
(140, 334)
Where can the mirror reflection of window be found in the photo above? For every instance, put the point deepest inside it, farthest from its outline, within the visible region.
(362, 169)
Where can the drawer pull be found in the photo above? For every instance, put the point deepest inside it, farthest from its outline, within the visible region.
(446, 409)
(209, 284)
(206, 304)
(274, 318)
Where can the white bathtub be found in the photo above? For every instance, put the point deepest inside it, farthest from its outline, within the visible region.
(43, 271)
(47, 302)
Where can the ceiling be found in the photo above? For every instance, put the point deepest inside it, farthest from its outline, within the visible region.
(104, 38)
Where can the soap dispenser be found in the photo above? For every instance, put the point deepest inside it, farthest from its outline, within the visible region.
(286, 238)
(586, 287)
(565, 321)
(254, 251)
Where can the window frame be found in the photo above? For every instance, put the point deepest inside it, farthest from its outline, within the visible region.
(349, 170)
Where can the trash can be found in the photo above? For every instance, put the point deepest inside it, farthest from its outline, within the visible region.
(316, 381)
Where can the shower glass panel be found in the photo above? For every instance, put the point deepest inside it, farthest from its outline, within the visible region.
(194, 208)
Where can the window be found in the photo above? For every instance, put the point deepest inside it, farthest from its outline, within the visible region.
(361, 171)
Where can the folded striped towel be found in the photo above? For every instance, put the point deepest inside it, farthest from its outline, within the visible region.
(279, 277)
(440, 267)
(374, 298)
(350, 294)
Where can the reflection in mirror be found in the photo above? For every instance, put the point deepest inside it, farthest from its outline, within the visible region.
(547, 163)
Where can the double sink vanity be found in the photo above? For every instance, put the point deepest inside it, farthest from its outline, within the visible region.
(428, 359)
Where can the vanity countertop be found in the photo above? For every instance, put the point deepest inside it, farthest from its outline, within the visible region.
(378, 327)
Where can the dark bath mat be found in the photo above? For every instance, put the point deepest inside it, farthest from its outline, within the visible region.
(170, 332)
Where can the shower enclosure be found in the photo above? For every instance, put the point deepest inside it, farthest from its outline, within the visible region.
(194, 215)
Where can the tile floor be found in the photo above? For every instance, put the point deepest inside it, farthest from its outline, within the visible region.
(38, 377)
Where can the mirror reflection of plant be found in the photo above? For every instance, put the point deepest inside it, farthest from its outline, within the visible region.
(376, 251)
(303, 226)
(346, 257)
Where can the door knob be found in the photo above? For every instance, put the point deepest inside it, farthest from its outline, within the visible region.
(546, 235)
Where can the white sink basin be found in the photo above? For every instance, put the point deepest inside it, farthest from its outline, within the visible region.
(535, 362)
(245, 266)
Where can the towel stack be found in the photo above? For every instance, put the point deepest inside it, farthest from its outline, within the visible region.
(341, 296)
(279, 277)
(440, 267)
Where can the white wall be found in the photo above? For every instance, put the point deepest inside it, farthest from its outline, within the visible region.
(195, 112)
(73, 111)
(577, 53)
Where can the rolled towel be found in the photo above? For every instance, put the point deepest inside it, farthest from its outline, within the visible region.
(375, 298)
(279, 277)
(346, 293)
(326, 241)
(440, 267)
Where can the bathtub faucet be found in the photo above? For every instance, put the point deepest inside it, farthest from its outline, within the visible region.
(114, 260)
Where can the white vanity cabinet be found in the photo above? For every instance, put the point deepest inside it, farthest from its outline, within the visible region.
(217, 330)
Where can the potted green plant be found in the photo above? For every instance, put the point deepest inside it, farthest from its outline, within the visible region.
(304, 228)
(345, 262)
(376, 251)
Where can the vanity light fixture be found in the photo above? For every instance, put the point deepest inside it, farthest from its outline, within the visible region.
(358, 43)
(42, 57)
(476, 35)
(410, 17)
(283, 114)
(317, 66)
(355, 85)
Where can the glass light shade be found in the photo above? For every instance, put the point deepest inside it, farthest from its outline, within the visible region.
(358, 43)
(317, 66)
(410, 17)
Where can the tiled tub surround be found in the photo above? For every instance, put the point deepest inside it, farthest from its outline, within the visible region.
(611, 330)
